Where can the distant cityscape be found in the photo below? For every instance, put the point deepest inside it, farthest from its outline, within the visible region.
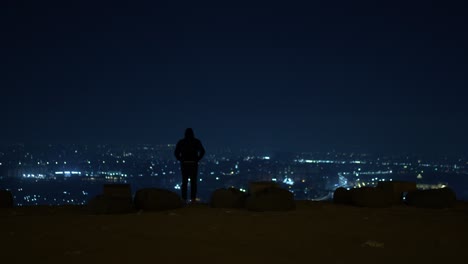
(73, 174)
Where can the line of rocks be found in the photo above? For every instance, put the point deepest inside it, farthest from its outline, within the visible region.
(262, 196)
(391, 193)
(6, 199)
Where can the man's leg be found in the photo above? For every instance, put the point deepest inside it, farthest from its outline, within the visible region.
(185, 177)
(193, 182)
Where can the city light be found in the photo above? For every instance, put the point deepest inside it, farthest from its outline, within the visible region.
(288, 181)
(317, 175)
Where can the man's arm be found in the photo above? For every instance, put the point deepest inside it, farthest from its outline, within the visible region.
(201, 151)
(177, 152)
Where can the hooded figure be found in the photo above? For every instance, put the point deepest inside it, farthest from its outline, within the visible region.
(189, 151)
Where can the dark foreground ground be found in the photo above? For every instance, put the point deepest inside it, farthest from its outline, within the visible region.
(316, 232)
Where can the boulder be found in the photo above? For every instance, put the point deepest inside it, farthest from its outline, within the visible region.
(154, 199)
(371, 197)
(117, 190)
(227, 198)
(435, 198)
(397, 189)
(257, 186)
(6, 199)
(271, 199)
(103, 204)
(342, 196)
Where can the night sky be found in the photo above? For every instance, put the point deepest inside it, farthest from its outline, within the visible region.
(306, 76)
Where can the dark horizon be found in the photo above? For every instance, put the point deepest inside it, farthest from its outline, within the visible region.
(248, 150)
(368, 76)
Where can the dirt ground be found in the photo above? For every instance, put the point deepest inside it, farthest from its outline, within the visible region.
(317, 232)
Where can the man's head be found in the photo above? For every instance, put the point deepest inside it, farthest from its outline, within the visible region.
(189, 133)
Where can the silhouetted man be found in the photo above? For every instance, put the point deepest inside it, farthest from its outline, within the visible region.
(189, 151)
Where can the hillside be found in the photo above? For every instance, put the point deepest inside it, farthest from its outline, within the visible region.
(316, 232)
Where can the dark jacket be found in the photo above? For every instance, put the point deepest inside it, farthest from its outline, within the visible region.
(189, 149)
